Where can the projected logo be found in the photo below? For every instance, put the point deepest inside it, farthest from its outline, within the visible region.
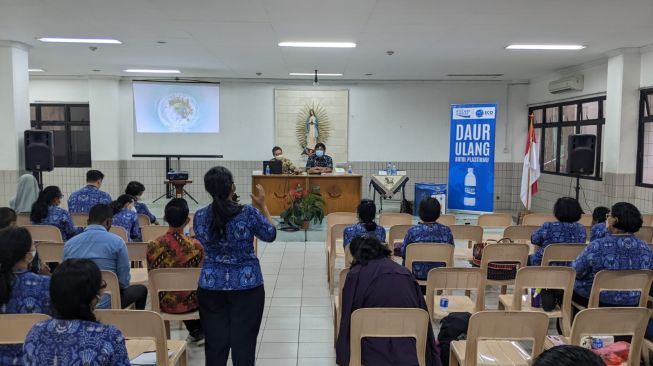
(178, 112)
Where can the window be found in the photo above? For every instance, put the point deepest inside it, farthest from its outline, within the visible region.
(554, 123)
(70, 126)
(645, 140)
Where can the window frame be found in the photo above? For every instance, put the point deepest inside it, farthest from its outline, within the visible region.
(644, 118)
(577, 124)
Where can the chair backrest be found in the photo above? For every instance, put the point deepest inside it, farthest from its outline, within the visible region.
(171, 279)
(537, 219)
(555, 278)
(16, 326)
(151, 232)
(388, 322)
(613, 322)
(561, 253)
(628, 280)
(113, 288)
(23, 219)
(467, 232)
(588, 233)
(80, 219)
(645, 233)
(395, 218)
(520, 232)
(586, 219)
(50, 252)
(505, 252)
(341, 284)
(429, 252)
(348, 257)
(495, 220)
(335, 218)
(648, 219)
(139, 324)
(505, 325)
(144, 220)
(137, 252)
(44, 233)
(120, 231)
(447, 219)
(455, 278)
(397, 232)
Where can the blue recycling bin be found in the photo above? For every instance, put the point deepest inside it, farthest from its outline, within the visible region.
(425, 190)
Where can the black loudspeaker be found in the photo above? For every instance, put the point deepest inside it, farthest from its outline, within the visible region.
(581, 151)
(39, 154)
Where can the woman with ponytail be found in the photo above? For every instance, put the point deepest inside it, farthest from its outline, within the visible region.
(21, 291)
(231, 295)
(366, 225)
(46, 211)
(125, 216)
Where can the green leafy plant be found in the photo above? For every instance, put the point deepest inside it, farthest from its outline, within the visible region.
(304, 206)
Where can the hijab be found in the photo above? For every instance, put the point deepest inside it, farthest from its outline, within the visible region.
(26, 194)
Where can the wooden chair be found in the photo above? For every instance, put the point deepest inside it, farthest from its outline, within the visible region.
(149, 325)
(173, 279)
(144, 220)
(429, 252)
(537, 219)
(337, 232)
(638, 280)
(495, 328)
(50, 252)
(388, 322)
(648, 219)
(335, 218)
(447, 219)
(647, 347)
(504, 253)
(121, 232)
(613, 322)
(397, 234)
(471, 233)
(520, 233)
(588, 233)
(337, 304)
(137, 253)
(44, 233)
(495, 220)
(586, 220)
(152, 232)
(393, 218)
(113, 289)
(555, 278)
(452, 278)
(15, 327)
(23, 219)
(80, 219)
(645, 233)
(561, 253)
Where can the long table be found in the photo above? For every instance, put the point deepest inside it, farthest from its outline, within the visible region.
(341, 192)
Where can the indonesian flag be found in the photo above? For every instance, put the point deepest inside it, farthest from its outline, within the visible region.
(531, 171)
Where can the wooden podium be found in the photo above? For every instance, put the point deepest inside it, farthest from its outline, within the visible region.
(341, 192)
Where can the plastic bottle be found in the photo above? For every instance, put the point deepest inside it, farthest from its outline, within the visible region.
(470, 188)
(267, 170)
(349, 170)
(394, 169)
(388, 169)
(444, 303)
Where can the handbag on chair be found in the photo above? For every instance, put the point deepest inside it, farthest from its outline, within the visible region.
(495, 271)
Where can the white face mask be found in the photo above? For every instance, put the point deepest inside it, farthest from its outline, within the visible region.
(279, 157)
(132, 208)
(33, 255)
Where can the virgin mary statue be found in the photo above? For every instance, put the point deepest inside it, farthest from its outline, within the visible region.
(312, 131)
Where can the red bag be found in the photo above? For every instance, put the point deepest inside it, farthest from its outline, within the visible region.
(495, 271)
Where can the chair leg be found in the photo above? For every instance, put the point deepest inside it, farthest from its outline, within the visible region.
(453, 359)
(167, 325)
(646, 356)
(504, 289)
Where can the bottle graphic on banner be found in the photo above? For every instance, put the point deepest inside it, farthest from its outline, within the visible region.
(469, 199)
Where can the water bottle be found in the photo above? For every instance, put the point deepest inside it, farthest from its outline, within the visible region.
(267, 170)
(394, 169)
(349, 170)
(444, 304)
(388, 169)
(597, 343)
(470, 188)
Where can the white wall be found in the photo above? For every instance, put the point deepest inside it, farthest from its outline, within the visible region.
(646, 68)
(58, 90)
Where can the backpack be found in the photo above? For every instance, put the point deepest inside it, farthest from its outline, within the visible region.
(453, 327)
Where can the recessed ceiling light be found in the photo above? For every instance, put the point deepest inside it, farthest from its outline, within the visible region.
(318, 44)
(153, 71)
(311, 74)
(79, 40)
(161, 42)
(572, 47)
(368, 74)
(35, 70)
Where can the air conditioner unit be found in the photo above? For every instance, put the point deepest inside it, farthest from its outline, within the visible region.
(571, 83)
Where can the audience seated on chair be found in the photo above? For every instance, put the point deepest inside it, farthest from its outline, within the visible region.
(374, 281)
(599, 226)
(427, 231)
(620, 249)
(26, 194)
(46, 211)
(74, 336)
(21, 291)
(566, 230)
(366, 225)
(8, 218)
(176, 250)
(125, 216)
(136, 190)
(568, 355)
(83, 200)
(109, 252)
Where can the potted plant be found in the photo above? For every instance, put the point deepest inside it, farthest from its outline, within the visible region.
(304, 206)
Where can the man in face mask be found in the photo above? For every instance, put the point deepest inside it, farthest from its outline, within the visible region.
(319, 162)
(287, 167)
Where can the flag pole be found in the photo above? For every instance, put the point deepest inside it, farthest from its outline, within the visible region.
(530, 151)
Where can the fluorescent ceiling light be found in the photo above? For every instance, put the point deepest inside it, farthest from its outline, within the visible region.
(311, 74)
(573, 47)
(35, 70)
(153, 71)
(80, 40)
(318, 44)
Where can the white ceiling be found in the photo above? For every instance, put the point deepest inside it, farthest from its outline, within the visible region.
(238, 38)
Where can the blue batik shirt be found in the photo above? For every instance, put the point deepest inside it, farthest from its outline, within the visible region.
(555, 233)
(82, 200)
(359, 229)
(57, 342)
(599, 231)
(128, 219)
(426, 233)
(62, 220)
(142, 209)
(612, 252)
(30, 293)
(230, 262)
